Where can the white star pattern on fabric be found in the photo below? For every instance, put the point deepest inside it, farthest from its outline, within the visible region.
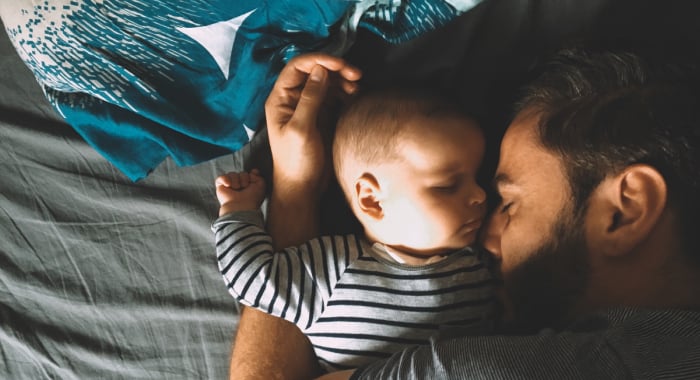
(249, 132)
(218, 39)
(463, 5)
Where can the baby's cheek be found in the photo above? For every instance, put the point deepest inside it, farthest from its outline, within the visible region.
(440, 225)
(452, 216)
(426, 233)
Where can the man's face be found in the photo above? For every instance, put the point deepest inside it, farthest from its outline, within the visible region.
(534, 233)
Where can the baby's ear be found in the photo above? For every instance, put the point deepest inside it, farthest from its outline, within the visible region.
(367, 196)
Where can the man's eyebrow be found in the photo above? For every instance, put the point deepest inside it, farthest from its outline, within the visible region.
(500, 180)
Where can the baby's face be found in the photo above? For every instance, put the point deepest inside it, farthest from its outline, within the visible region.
(433, 201)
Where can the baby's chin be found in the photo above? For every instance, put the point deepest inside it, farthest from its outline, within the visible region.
(437, 249)
(426, 246)
(465, 238)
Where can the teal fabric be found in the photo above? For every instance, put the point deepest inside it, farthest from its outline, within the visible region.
(144, 80)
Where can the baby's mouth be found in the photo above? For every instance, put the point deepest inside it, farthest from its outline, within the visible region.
(473, 224)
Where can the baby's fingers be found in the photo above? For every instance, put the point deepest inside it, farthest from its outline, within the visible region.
(231, 180)
(244, 179)
(255, 176)
(223, 180)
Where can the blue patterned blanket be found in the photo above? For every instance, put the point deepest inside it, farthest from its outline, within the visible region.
(141, 80)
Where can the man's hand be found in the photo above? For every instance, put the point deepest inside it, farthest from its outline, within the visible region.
(292, 110)
(240, 191)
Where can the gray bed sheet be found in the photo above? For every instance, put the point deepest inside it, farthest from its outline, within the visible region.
(100, 277)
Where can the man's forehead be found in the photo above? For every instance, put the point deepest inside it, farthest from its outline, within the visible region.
(520, 151)
(524, 125)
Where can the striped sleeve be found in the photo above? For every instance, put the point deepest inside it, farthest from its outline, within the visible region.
(293, 284)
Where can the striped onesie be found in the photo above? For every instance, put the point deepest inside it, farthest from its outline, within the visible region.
(352, 301)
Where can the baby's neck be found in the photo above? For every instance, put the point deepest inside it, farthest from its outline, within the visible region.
(404, 256)
(409, 258)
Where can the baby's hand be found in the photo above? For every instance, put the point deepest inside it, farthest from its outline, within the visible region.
(240, 191)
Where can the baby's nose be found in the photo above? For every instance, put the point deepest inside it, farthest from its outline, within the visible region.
(477, 196)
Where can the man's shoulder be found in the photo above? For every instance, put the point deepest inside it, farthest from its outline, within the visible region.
(639, 321)
(653, 343)
(666, 320)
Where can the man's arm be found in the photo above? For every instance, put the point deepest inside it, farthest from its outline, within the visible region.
(267, 347)
(548, 355)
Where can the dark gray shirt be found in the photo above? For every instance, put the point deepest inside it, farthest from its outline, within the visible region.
(619, 344)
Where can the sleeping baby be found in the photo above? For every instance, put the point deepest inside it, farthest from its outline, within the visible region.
(407, 163)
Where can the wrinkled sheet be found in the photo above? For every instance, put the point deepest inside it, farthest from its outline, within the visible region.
(101, 277)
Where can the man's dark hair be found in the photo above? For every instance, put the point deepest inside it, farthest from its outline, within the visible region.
(602, 112)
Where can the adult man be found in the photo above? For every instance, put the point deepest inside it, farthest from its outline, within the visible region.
(598, 176)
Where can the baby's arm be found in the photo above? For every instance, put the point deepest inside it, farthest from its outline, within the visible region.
(292, 284)
(240, 191)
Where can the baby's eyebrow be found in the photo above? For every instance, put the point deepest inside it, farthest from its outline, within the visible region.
(448, 168)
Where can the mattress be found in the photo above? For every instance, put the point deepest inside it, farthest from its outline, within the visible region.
(102, 277)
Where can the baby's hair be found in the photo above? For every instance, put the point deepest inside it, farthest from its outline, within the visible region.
(369, 127)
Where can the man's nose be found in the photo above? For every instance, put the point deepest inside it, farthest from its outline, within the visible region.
(491, 235)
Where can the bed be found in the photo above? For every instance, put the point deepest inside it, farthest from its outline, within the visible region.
(105, 277)
(102, 277)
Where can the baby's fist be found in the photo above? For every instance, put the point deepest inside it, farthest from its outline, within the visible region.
(240, 191)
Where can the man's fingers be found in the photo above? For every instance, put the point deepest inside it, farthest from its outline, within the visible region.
(317, 74)
(311, 98)
(349, 87)
(350, 73)
(282, 102)
(295, 72)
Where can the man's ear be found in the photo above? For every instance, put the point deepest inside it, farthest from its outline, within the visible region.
(368, 195)
(625, 208)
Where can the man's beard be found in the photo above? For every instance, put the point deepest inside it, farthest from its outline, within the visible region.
(544, 290)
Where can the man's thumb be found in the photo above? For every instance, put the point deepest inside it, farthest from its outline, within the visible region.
(311, 97)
